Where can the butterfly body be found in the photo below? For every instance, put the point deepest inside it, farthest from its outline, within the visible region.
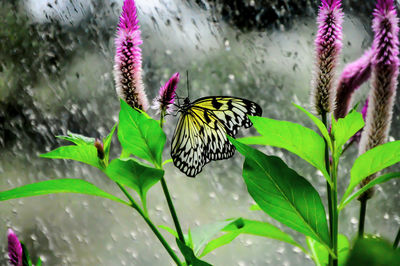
(200, 135)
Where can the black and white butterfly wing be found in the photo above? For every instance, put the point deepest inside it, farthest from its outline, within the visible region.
(187, 146)
(231, 111)
(200, 135)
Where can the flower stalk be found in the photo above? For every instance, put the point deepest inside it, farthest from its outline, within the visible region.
(385, 71)
(328, 45)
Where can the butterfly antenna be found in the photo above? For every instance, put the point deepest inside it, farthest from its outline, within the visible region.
(177, 97)
(187, 83)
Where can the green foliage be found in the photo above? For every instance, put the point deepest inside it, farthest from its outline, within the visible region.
(293, 137)
(373, 252)
(201, 235)
(250, 227)
(140, 135)
(319, 124)
(84, 153)
(344, 129)
(321, 256)
(283, 194)
(373, 161)
(77, 139)
(135, 175)
(57, 186)
(107, 144)
(382, 179)
(26, 258)
(188, 253)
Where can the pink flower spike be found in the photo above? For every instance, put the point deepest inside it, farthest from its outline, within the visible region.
(128, 59)
(167, 94)
(14, 249)
(328, 44)
(353, 76)
(385, 71)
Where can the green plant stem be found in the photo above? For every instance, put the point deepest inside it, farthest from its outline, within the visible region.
(335, 213)
(168, 196)
(328, 187)
(397, 240)
(152, 226)
(172, 210)
(363, 210)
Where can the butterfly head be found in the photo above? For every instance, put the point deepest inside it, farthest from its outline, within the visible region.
(186, 102)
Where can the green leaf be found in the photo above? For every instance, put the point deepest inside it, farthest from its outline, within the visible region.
(283, 194)
(344, 129)
(26, 258)
(140, 135)
(218, 242)
(84, 153)
(39, 262)
(295, 138)
(379, 180)
(135, 175)
(202, 234)
(250, 227)
(77, 139)
(255, 207)
(169, 230)
(319, 124)
(188, 253)
(67, 185)
(373, 161)
(321, 256)
(107, 143)
(373, 252)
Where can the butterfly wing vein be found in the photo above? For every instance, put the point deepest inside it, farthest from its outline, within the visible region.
(200, 135)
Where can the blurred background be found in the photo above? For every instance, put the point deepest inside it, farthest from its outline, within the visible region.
(56, 60)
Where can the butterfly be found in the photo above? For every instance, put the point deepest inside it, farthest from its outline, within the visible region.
(200, 135)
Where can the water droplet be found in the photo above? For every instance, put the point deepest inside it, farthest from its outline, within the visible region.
(353, 220)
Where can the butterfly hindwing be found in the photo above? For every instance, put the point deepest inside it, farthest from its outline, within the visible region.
(200, 135)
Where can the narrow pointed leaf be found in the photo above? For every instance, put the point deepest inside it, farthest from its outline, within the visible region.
(135, 175)
(26, 258)
(244, 226)
(379, 180)
(84, 153)
(77, 139)
(107, 143)
(140, 135)
(319, 124)
(203, 234)
(67, 185)
(283, 194)
(295, 138)
(371, 162)
(345, 128)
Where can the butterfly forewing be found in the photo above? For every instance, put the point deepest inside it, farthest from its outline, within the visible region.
(200, 135)
(231, 111)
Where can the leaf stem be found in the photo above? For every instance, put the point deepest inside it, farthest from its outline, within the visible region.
(151, 225)
(397, 240)
(361, 221)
